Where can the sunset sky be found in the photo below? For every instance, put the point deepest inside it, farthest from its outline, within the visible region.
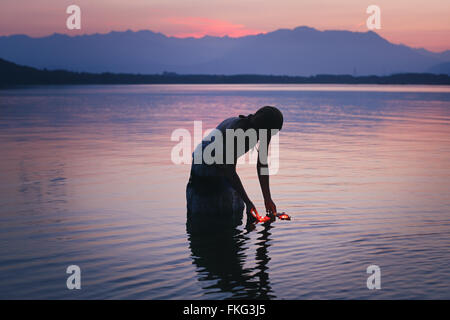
(416, 23)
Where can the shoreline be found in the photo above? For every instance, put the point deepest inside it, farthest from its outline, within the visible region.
(12, 74)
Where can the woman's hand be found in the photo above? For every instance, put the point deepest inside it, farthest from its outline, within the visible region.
(271, 208)
(249, 206)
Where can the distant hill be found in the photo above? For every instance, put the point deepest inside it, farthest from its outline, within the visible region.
(12, 74)
(302, 51)
(441, 68)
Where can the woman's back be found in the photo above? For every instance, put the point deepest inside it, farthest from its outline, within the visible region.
(229, 128)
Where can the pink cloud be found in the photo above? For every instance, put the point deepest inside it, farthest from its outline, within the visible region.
(198, 27)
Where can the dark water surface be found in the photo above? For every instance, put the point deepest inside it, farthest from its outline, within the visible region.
(87, 179)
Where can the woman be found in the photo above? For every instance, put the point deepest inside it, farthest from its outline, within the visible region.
(215, 194)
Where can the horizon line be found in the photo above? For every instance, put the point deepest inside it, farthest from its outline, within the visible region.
(176, 74)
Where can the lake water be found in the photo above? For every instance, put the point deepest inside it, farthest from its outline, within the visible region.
(87, 179)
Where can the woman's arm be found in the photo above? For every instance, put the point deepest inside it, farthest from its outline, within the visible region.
(235, 181)
(263, 177)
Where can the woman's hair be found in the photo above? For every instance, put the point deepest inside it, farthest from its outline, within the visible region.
(267, 117)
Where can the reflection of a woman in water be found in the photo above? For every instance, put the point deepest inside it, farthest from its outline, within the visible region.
(220, 257)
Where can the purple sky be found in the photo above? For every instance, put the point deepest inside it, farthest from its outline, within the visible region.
(411, 22)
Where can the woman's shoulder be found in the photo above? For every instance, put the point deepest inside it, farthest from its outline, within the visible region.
(232, 123)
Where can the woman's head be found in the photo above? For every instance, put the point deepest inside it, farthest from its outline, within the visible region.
(267, 117)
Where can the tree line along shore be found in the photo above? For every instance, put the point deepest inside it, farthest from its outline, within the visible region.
(12, 74)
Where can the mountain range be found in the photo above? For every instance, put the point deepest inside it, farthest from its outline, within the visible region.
(302, 51)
